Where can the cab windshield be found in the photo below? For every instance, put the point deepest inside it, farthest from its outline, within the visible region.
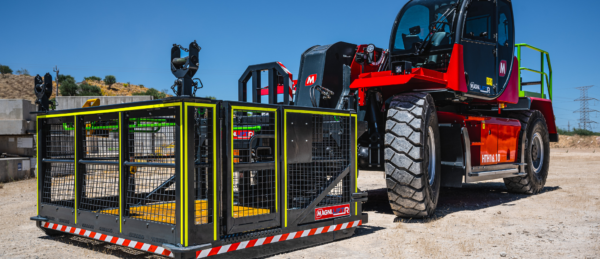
(416, 20)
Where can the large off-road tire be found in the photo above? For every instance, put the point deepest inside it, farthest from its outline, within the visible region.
(536, 140)
(412, 155)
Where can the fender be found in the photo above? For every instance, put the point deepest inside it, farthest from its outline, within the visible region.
(545, 107)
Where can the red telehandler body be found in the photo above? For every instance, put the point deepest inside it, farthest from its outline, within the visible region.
(443, 105)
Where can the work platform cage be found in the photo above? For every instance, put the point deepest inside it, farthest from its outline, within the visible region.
(192, 177)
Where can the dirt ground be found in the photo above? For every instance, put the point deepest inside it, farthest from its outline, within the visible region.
(478, 221)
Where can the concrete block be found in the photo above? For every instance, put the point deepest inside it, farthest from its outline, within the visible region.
(76, 102)
(22, 145)
(12, 169)
(17, 109)
(17, 127)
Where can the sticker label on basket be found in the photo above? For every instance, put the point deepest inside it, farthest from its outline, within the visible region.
(332, 212)
(243, 134)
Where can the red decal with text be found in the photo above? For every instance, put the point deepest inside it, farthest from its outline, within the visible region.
(243, 134)
(310, 80)
(332, 212)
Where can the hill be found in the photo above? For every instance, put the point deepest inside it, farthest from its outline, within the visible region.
(21, 87)
(17, 87)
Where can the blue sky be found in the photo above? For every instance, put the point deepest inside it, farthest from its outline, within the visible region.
(132, 39)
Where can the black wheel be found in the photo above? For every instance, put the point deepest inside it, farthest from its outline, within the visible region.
(536, 141)
(412, 155)
(49, 232)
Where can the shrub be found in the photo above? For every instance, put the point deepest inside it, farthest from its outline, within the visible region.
(142, 86)
(92, 78)
(211, 97)
(23, 71)
(584, 132)
(110, 80)
(5, 70)
(89, 90)
(68, 87)
(125, 85)
(576, 131)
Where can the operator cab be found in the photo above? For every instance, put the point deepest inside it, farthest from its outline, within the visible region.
(426, 32)
(412, 28)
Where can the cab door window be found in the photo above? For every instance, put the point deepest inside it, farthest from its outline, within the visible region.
(506, 42)
(480, 21)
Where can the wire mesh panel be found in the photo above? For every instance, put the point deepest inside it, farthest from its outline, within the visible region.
(101, 139)
(204, 168)
(330, 157)
(151, 194)
(254, 135)
(58, 187)
(152, 139)
(100, 142)
(100, 191)
(151, 188)
(255, 193)
(60, 141)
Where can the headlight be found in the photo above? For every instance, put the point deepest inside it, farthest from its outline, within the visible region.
(370, 48)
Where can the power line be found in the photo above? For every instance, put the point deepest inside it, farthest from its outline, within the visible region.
(584, 108)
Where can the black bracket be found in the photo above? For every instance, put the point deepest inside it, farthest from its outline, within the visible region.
(43, 91)
(184, 69)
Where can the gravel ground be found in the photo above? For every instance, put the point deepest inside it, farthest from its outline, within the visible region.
(478, 221)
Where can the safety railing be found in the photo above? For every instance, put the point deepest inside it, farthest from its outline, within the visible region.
(545, 58)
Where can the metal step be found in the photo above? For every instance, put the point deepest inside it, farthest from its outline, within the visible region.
(496, 174)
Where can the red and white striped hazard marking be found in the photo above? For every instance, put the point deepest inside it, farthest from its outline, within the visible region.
(207, 252)
(110, 239)
(275, 239)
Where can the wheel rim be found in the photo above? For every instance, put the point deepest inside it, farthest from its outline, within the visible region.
(431, 156)
(537, 152)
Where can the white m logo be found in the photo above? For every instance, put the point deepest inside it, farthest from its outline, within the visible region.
(502, 68)
(310, 80)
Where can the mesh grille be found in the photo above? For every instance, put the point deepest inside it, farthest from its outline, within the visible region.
(203, 150)
(59, 183)
(254, 193)
(151, 193)
(101, 140)
(331, 156)
(152, 139)
(254, 142)
(100, 192)
(59, 178)
(60, 141)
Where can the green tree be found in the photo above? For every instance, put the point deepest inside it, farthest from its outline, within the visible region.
(211, 97)
(92, 78)
(89, 90)
(63, 78)
(154, 93)
(110, 80)
(5, 70)
(68, 87)
(23, 71)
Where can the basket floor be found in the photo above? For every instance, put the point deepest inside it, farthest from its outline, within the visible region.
(165, 212)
